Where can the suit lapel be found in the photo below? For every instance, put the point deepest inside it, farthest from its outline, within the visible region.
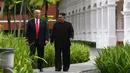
(33, 24)
(40, 24)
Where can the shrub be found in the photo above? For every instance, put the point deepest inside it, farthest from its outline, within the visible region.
(79, 53)
(114, 59)
(22, 61)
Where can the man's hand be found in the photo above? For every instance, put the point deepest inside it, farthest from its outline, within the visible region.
(71, 38)
(46, 42)
(27, 43)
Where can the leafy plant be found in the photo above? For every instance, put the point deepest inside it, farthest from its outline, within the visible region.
(22, 60)
(114, 59)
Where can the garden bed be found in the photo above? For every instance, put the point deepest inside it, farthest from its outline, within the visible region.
(22, 61)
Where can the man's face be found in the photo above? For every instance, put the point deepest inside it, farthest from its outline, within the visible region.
(61, 18)
(37, 14)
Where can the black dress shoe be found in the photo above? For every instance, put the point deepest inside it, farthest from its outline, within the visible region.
(57, 69)
(65, 70)
(41, 70)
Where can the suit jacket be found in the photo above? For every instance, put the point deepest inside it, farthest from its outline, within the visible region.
(61, 34)
(31, 32)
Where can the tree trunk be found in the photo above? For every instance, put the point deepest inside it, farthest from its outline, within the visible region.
(15, 25)
(24, 18)
(8, 18)
(20, 24)
(46, 8)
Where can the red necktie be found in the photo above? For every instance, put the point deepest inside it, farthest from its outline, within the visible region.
(36, 28)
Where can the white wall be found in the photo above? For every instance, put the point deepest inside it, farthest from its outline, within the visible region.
(86, 23)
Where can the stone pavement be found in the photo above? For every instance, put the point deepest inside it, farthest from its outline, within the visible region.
(76, 68)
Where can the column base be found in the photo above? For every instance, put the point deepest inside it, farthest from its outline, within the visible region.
(100, 42)
(112, 41)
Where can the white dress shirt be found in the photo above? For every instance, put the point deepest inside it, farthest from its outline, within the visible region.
(38, 22)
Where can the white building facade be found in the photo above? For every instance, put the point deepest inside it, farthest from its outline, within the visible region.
(105, 22)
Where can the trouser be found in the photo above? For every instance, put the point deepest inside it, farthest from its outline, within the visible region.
(66, 57)
(40, 51)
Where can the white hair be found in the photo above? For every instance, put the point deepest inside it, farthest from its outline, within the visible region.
(37, 10)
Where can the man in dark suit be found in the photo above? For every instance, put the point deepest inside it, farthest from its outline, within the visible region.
(37, 36)
(61, 34)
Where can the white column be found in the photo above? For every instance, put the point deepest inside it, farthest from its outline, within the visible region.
(84, 18)
(82, 25)
(86, 24)
(104, 26)
(68, 18)
(75, 29)
(89, 26)
(126, 14)
(93, 25)
(99, 28)
(78, 26)
(126, 26)
(111, 25)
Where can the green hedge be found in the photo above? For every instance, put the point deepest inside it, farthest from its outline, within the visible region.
(114, 59)
(91, 44)
(79, 53)
(22, 61)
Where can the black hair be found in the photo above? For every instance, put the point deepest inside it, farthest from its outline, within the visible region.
(63, 14)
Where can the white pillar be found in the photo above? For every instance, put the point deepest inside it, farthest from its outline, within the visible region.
(78, 26)
(72, 20)
(93, 25)
(75, 28)
(86, 24)
(89, 25)
(82, 25)
(68, 18)
(104, 26)
(99, 28)
(126, 13)
(111, 25)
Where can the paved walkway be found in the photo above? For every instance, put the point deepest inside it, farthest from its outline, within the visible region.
(76, 68)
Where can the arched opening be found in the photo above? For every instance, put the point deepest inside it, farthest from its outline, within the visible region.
(106, 2)
(100, 4)
(72, 12)
(89, 7)
(119, 22)
(95, 5)
(83, 9)
(69, 13)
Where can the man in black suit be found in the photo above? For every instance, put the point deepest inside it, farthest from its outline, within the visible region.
(37, 36)
(61, 34)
